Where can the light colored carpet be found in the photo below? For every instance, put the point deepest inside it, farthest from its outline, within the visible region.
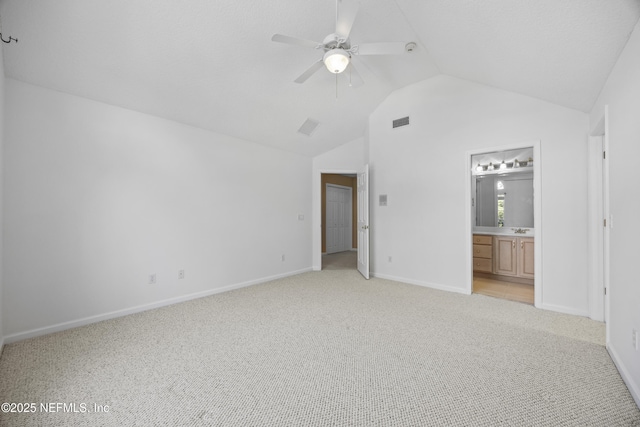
(347, 260)
(325, 349)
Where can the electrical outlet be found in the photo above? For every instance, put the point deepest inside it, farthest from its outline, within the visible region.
(634, 339)
(152, 279)
(390, 258)
(180, 274)
(282, 257)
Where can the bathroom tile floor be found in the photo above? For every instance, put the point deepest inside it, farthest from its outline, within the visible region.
(505, 290)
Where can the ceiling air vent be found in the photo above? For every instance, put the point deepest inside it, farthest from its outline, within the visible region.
(401, 122)
(308, 127)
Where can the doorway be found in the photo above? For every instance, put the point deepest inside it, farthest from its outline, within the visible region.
(504, 222)
(338, 216)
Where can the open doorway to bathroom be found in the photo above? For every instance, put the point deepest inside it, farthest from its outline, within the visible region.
(338, 219)
(503, 216)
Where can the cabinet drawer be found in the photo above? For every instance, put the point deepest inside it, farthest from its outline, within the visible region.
(482, 264)
(479, 239)
(482, 251)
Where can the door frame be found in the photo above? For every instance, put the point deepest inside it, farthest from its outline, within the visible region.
(598, 210)
(537, 214)
(316, 206)
(350, 191)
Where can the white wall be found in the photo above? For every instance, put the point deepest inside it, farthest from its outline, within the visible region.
(348, 158)
(98, 197)
(622, 94)
(1, 188)
(421, 167)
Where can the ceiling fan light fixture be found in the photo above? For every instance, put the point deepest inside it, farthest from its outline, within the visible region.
(336, 60)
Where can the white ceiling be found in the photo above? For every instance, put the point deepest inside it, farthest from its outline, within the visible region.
(212, 64)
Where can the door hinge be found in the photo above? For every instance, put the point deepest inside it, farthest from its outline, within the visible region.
(605, 222)
(604, 155)
(605, 291)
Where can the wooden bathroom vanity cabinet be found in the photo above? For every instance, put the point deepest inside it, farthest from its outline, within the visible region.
(514, 256)
(504, 255)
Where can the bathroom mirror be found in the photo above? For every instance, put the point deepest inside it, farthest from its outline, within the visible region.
(504, 200)
(503, 189)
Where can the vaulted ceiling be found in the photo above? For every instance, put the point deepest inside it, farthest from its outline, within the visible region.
(212, 64)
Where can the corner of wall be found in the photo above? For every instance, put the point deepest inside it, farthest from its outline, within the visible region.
(1, 190)
(627, 377)
(147, 200)
(620, 100)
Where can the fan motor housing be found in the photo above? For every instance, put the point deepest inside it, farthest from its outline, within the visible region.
(333, 41)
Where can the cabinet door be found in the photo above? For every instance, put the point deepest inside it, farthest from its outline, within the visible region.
(505, 261)
(526, 265)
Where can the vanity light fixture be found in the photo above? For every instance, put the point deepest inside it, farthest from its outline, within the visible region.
(501, 167)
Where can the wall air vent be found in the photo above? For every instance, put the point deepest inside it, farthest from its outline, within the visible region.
(401, 122)
(308, 127)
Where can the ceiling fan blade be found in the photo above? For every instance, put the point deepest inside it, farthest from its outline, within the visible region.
(304, 76)
(390, 48)
(346, 15)
(295, 41)
(355, 80)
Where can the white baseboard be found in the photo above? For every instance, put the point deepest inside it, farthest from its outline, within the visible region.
(634, 388)
(140, 308)
(563, 309)
(421, 283)
(1, 345)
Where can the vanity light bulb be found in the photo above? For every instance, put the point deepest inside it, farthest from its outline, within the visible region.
(479, 168)
(490, 167)
(516, 164)
(503, 165)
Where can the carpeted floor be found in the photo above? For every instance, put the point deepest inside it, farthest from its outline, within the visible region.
(347, 260)
(323, 348)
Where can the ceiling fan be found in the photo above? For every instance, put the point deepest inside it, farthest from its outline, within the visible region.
(337, 47)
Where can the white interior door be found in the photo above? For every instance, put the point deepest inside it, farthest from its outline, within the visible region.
(338, 218)
(363, 222)
(606, 232)
(599, 227)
